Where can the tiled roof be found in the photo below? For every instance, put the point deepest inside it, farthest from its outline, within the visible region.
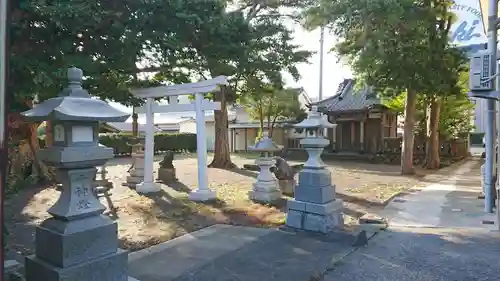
(348, 99)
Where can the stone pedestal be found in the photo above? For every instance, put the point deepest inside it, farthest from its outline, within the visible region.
(77, 243)
(202, 195)
(265, 189)
(287, 187)
(166, 175)
(315, 207)
(136, 173)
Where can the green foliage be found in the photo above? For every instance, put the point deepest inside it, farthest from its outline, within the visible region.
(163, 142)
(394, 45)
(270, 105)
(455, 117)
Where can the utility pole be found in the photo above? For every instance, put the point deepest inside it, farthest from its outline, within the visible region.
(492, 39)
(4, 22)
(321, 58)
(491, 107)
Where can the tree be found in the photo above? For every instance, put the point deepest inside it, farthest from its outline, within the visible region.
(454, 119)
(269, 105)
(240, 44)
(104, 38)
(394, 46)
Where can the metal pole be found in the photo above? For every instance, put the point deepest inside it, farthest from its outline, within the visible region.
(321, 57)
(490, 129)
(4, 22)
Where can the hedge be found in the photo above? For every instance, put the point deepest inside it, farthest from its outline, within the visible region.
(181, 142)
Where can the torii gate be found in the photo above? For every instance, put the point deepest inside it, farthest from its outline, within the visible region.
(199, 89)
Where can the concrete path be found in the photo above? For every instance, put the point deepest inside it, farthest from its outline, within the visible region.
(435, 234)
(416, 254)
(448, 203)
(224, 253)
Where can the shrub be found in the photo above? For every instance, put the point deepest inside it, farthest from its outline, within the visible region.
(181, 142)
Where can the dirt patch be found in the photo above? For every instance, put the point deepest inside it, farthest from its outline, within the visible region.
(147, 220)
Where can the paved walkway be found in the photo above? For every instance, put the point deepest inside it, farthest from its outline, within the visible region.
(419, 254)
(236, 253)
(435, 234)
(448, 203)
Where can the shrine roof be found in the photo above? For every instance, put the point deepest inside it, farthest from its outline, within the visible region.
(348, 98)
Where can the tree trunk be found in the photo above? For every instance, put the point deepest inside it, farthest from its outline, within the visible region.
(135, 124)
(408, 135)
(222, 155)
(432, 160)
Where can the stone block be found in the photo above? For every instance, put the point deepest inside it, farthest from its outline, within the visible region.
(323, 223)
(137, 173)
(106, 268)
(287, 187)
(266, 186)
(167, 175)
(315, 177)
(318, 195)
(264, 196)
(324, 209)
(294, 219)
(293, 204)
(131, 180)
(66, 243)
(139, 164)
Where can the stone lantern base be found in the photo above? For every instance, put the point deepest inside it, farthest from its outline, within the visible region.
(265, 192)
(136, 174)
(315, 207)
(265, 189)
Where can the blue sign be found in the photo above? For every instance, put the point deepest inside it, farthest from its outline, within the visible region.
(465, 32)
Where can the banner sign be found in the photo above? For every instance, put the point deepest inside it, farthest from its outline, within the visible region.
(468, 28)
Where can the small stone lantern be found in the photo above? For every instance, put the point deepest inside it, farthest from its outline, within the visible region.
(266, 188)
(136, 171)
(314, 207)
(77, 243)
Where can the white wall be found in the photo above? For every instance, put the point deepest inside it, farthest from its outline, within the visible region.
(190, 127)
(242, 115)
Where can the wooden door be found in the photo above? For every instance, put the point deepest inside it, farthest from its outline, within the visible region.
(346, 137)
(373, 135)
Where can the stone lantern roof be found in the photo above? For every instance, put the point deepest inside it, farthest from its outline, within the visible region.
(265, 144)
(75, 104)
(314, 120)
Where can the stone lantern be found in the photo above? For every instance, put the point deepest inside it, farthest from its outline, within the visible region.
(265, 189)
(77, 243)
(136, 171)
(314, 207)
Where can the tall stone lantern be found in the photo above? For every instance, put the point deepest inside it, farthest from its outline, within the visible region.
(314, 207)
(265, 189)
(77, 243)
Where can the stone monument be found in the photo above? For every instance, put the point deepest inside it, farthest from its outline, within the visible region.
(136, 171)
(265, 189)
(314, 207)
(77, 243)
(166, 171)
(286, 175)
